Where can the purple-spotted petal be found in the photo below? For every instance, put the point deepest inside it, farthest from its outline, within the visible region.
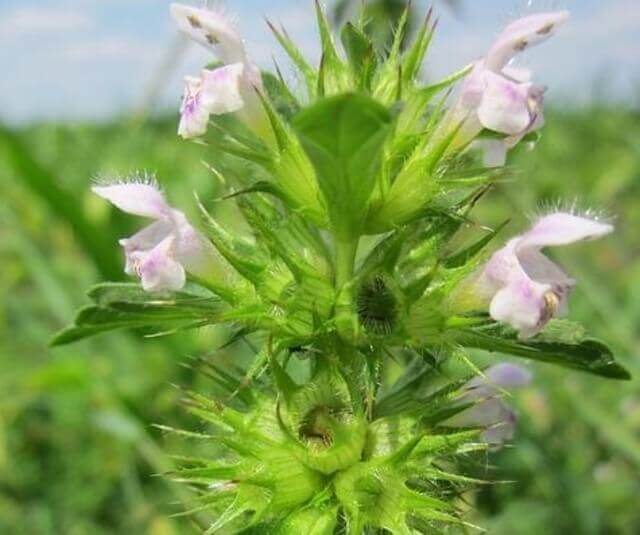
(522, 34)
(211, 28)
(505, 105)
(136, 198)
(159, 270)
(561, 228)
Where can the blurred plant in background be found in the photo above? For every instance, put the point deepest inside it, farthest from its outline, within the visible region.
(381, 16)
(79, 418)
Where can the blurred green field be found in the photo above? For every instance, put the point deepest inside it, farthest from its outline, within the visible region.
(78, 453)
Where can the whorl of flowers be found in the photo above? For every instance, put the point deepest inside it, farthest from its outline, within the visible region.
(366, 318)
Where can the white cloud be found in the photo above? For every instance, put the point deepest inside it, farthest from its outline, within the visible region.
(39, 19)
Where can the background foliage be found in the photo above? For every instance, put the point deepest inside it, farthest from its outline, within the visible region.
(78, 452)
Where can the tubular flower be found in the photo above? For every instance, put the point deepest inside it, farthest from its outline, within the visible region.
(501, 98)
(161, 253)
(526, 288)
(215, 92)
(226, 89)
(490, 411)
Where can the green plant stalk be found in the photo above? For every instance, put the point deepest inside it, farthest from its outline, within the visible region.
(345, 261)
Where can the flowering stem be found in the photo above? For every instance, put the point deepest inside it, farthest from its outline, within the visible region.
(345, 259)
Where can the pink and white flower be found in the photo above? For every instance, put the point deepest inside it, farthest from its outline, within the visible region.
(226, 89)
(489, 410)
(498, 97)
(525, 288)
(161, 253)
(215, 92)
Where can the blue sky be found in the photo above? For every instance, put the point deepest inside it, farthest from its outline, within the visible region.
(68, 59)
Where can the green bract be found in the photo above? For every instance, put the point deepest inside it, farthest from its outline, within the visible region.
(352, 286)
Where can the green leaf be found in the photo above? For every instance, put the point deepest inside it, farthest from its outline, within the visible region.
(461, 258)
(108, 293)
(267, 231)
(94, 320)
(386, 78)
(297, 58)
(566, 331)
(415, 55)
(419, 99)
(262, 186)
(335, 77)
(589, 355)
(127, 305)
(343, 137)
(445, 443)
(243, 256)
(72, 334)
(361, 55)
(414, 187)
(279, 93)
(384, 255)
(292, 168)
(400, 34)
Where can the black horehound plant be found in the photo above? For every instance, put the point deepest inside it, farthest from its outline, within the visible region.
(354, 283)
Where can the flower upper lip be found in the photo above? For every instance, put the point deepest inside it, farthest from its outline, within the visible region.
(501, 98)
(521, 34)
(211, 28)
(527, 288)
(226, 89)
(162, 252)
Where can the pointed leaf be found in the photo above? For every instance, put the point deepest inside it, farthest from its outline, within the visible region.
(297, 58)
(589, 355)
(343, 137)
(461, 258)
(361, 55)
